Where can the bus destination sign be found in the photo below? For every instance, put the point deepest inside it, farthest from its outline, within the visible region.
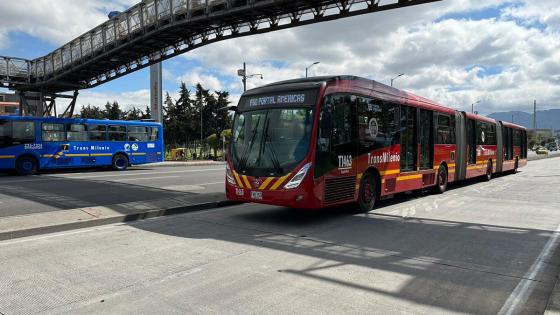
(284, 99)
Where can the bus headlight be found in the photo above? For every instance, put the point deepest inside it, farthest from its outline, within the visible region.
(296, 180)
(229, 175)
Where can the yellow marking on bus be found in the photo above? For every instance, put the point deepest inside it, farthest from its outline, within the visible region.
(138, 154)
(266, 182)
(101, 154)
(246, 181)
(48, 155)
(389, 172)
(408, 177)
(383, 181)
(7, 156)
(238, 180)
(470, 168)
(279, 182)
(359, 176)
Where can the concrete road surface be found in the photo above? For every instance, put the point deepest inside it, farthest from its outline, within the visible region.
(78, 189)
(482, 248)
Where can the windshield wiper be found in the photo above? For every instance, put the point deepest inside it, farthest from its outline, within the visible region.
(274, 157)
(247, 152)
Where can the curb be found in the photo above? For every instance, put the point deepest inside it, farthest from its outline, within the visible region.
(25, 232)
(185, 164)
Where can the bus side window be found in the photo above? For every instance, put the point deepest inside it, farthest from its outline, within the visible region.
(154, 134)
(325, 126)
(23, 131)
(5, 133)
(444, 132)
(77, 132)
(53, 132)
(97, 132)
(117, 133)
(138, 134)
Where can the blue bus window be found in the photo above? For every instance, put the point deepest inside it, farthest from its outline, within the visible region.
(117, 133)
(77, 132)
(154, 134)
(138, 134)
(97, 132)
(53, 132)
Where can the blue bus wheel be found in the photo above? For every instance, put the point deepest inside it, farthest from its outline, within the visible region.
(26, 166)
(120, 162)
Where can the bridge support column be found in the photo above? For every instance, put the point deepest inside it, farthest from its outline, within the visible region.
(156, 93)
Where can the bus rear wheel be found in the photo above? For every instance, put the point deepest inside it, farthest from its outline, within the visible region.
(367, 196)
(489, 170)
(120, 162)
(441, 184)
(26, 165)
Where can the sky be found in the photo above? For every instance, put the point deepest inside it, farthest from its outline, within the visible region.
(504, 54)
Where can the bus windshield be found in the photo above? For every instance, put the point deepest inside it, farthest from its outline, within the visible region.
(271, 142)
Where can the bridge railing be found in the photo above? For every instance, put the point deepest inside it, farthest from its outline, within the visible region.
(14, 69)
(145, 14)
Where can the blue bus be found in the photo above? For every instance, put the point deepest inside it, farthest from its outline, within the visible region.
(29, 144)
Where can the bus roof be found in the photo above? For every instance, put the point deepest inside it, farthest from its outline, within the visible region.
(511, 125)
(364, 83)
(82, 120)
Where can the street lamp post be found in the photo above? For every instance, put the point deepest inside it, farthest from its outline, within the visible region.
(472, 106)
(393, 79)
(244, 76)
(309, 67)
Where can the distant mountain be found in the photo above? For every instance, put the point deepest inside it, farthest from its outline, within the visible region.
(546, 119)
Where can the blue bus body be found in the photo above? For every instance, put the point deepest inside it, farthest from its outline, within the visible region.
(54, 143)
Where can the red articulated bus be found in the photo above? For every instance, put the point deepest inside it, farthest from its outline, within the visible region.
(324, 141)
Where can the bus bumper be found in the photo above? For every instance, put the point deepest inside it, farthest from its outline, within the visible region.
(293, 198)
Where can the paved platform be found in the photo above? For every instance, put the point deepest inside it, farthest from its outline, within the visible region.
(58, 201)
(480, 248)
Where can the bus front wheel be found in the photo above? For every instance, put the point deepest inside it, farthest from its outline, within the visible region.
(120, 162)
(368, 193)
(26, 165)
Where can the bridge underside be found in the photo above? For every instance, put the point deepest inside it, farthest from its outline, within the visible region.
(156, 30)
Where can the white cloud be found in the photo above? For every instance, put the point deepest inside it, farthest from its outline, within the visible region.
(195, 76)
(56, 22)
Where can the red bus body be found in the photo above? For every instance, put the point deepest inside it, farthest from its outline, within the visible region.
(465, 152)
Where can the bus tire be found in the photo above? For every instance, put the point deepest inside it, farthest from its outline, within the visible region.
(367, 196)
(441, 180)
(120, 162)
(488, 175)
(26, 165)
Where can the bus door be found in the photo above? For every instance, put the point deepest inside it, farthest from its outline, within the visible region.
(461, 146)
(499, 147)
(409, 141)
(471, 141)
(337, 148)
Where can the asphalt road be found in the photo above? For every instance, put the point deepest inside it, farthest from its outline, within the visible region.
(86, 188)
(481, 248)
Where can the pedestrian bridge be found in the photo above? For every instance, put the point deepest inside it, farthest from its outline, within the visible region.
(156, 30)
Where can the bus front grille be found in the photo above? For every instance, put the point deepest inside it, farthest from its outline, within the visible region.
(339, 189)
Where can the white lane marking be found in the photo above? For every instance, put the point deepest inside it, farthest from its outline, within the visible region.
(144, 178)
(69, 176)
(523, 290)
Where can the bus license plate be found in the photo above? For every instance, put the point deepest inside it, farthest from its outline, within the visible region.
(256, 195)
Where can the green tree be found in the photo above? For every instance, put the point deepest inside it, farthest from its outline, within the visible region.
(91, 112)
(133, 114)
(113, 111)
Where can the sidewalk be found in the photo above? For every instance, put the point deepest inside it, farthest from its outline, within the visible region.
(56, 221)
